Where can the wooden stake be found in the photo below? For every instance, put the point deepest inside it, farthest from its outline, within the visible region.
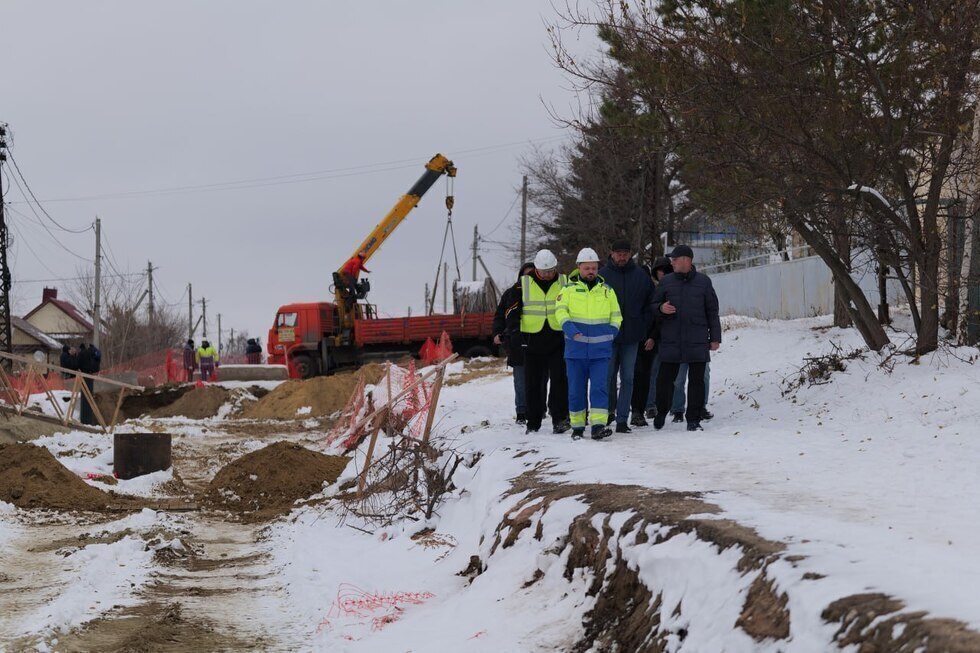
(370, 452)
(74, 399)
(433, 404)
(115, 414)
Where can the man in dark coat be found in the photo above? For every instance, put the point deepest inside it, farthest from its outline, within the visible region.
(507, 333)
(634, 290)
(253, 352)
(89, 362)
(190, 360)
(68, 360)
(691, 330)
(648, 358)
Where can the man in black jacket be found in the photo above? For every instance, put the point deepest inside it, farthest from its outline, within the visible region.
(89, 362)
(691, 330)
(634, 290)
(648, 359)
(507, 333)
(544, 344)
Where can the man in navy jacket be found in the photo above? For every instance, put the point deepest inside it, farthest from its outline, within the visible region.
(690, 331)
(634, 290)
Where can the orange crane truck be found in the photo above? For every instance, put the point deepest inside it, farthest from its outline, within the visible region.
(317, 338)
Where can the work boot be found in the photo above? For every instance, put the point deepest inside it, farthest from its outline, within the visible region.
(706, 414)
(694, 426)
(658, 422)
(531, 430)
(678, 418)
(600, 432)
(521, 418)
(651, 413)
(621, 427)
(562, 426)
(639, 420)
(578, 432)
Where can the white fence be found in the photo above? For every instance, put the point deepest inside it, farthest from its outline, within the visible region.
(791, 289)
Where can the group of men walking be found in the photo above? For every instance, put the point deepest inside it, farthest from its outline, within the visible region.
(578, 342)
(86, 359)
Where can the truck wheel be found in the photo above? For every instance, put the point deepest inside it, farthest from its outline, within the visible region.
(305, 366)
(477, 351)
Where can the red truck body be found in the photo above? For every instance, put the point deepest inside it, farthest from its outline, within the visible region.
(304, 336)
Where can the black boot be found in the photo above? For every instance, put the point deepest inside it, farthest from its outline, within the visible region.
(678, 418)
(521, 418)
(578, 432)
(651, 413)
(600, 432)
(621, 427)
(638, 420)
(562, 426)
(706, 414)
(659, 421)
(694, 426)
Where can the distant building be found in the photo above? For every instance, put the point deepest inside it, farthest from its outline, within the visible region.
(60, 320)
(28, 339)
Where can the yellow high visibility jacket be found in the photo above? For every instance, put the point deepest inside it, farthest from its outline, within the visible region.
(590, 318)
(207, 353)
(539, 306)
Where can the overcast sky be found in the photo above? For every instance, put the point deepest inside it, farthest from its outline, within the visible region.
(110, 100)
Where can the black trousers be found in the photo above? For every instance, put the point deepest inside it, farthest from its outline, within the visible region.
(542, 366)
(641, 380)
(695, 389)
(87, 414)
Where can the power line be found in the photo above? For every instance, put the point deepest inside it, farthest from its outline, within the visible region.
(512, 205)
(302, 177)
(45, 227)
(36, 201)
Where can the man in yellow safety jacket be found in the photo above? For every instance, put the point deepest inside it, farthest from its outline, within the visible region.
(589, 314)
(207, 360)
(543, 343)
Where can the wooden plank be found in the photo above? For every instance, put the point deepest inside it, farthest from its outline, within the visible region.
(362, 479)
(115, 414)
(69, 415)
(433, 404)
(95, 407)
(58, 368)
(41, 417)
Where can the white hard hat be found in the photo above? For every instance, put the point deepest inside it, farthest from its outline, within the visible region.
(587, 255)
(545, 260)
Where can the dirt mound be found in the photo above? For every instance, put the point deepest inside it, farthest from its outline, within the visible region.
(324, 395)
(271, 479)
(14, 428)
(30, 477)
(199, 403)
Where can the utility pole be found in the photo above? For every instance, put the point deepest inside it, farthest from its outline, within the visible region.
(445, 290)
(6, 338)
(231, 338)
(204, 317)
(190, 312)
(476, 247)
(149, 276)
(524, 221)
(219, 333)
(428, 311)
(97, 313)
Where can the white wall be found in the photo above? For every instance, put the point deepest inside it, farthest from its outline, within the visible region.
(790, 290)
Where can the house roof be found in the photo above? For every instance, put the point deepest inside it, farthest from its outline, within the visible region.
(66, 308)
(31, 330)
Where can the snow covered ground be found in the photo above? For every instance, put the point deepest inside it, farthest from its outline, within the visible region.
(870, 481)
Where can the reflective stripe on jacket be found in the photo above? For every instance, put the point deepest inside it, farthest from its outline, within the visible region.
(538, 306)
(590, 318)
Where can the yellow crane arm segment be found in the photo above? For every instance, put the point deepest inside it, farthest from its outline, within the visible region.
(435, 168)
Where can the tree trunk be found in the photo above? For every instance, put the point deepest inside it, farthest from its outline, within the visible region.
(966, 280)
(842, 243)
(951, 303)
(863, 316)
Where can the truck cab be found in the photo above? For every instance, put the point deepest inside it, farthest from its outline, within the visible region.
(307, 337)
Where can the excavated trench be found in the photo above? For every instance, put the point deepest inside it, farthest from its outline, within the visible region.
(628, 615)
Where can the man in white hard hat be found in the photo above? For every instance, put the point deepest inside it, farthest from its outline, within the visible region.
(590, 318)
(544, 344)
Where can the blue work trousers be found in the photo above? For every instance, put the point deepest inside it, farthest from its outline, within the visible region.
(587, 377)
